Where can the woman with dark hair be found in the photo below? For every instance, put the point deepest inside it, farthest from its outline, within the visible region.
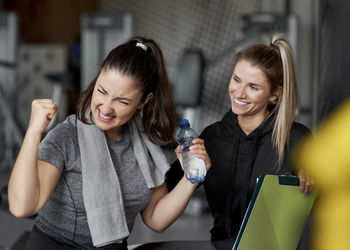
(255, 137)
(93, 173)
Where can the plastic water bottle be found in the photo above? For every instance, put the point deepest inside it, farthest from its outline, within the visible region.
(194, 167)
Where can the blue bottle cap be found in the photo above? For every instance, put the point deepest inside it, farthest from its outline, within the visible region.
(184, 122)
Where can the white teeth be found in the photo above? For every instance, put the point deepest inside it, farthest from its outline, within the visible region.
(239, 102)
(105, 117)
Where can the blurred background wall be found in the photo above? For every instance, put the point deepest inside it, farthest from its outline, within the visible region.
(331, 72)
(214, 29)
(218, 29)
(53, 48)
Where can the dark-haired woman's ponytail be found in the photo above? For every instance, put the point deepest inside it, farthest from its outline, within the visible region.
(159, 112)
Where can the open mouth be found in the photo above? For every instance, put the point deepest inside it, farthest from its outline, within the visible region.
(239, 103)
(105, 118)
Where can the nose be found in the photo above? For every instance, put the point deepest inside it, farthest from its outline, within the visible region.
(107, 106)
(240, 91)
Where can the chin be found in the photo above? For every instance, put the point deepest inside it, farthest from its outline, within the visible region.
(238, 111)
(102, 126)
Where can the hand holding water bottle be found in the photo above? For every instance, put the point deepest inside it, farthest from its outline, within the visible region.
(192, 153)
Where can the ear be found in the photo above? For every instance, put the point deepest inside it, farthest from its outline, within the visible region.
(274, 95)
(149, 97)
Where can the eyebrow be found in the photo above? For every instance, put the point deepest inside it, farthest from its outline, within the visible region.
(118, 98)
(234, 75)
(254, 83)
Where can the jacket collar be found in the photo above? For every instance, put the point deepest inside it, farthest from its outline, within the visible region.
(230, 122)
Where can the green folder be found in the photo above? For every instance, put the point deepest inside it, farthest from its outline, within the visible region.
(276, 215)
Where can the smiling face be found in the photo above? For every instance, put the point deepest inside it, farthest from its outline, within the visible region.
(250, 92)
(114, 101)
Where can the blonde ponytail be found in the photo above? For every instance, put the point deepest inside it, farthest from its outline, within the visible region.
(288, 101)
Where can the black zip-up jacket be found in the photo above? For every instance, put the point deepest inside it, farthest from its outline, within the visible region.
(237, 161)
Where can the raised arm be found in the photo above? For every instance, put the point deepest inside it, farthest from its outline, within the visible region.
(165, 207)
(32, 181)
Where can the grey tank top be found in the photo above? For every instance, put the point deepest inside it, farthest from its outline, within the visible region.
(63, 217)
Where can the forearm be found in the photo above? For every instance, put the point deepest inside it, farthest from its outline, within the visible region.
(171, 205)
(24, 184)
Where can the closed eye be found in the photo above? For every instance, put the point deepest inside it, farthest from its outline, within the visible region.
(101, 91)
(124, 101)
(236, 79)
(254, 87)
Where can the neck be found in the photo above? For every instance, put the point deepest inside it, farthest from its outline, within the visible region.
(115, 134)
(250, 123)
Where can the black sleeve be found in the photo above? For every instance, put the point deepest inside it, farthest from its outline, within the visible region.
(298, 134)
(174, 175)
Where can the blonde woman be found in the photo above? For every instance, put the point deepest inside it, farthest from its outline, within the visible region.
(255, 137)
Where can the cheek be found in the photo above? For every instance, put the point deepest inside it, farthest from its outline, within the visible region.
(94, 97)
(230, 88)
(124, 115)
(98, 99)
(93, 101)
(263, 99)
(124, 112)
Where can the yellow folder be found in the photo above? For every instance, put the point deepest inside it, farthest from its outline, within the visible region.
(276, 215)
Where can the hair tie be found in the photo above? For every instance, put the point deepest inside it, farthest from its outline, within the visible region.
(274, 46)
(141, 45)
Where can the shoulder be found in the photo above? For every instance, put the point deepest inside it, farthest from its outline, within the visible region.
(60, 145)
(65, 130)
(299, 130)
(212, 127)
(68, 125)
(70, 122)
(215, 129)
(218, 140)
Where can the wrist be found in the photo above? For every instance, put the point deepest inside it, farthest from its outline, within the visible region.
(33, 135)
(189, 182)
